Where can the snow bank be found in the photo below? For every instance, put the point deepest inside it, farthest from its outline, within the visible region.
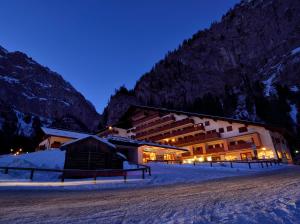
(53, 159)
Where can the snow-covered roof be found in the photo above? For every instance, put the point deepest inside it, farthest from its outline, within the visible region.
(90, 136)
(141, 142)
(64, 133)
(122, 155)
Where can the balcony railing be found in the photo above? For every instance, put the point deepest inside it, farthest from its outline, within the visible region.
(198, 152)
(185, 154)
(148, 118)
(177, 133)
(246, 145)
(176, 124)
(197, 139)
(215, 150)
(153, 123)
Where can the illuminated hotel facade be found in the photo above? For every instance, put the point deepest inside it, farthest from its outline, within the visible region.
(205, 137)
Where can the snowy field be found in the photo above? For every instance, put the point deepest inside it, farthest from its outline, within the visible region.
(266, 197)
(162, 174)
(173, 194)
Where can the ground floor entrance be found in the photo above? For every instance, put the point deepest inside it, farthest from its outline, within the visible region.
(149, 154)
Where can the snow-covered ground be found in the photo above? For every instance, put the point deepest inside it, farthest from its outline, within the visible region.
(162, 174)
(266, 197)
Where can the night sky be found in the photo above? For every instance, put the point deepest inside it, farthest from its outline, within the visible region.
(99, 45)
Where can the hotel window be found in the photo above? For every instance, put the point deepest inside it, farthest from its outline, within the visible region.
(206, 123)
(229, 128)
(231, 143)
(221, 130)
(243, 129)
(210, 146)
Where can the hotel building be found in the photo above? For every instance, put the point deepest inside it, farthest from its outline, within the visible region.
(207, 138)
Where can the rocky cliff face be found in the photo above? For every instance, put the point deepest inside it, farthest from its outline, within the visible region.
(245, 66)
(32, 95)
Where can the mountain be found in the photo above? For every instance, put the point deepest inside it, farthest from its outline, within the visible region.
(32, 95)
(245, 66)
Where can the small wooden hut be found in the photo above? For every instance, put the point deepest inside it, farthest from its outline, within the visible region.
(92, 153)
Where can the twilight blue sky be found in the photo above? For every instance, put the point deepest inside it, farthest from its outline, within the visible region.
(98, 45)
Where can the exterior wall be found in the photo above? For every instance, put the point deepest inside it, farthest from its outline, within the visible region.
(91, 154)
(49, 141)
(122, 132)
(280, 145)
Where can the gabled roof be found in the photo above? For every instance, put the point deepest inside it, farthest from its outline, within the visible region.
(124, 119)
(90, 136)
(64, 133)
(134, 142)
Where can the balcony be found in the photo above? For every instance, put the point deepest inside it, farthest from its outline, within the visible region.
(215, 150)
(185, 154)
(198, 152)
(177, 133)
(197, 139)
(147, 118)
(154, 123)
(166, 127)
(240, 146)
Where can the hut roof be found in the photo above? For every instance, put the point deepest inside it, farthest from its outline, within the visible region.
(90, 136)
(64, 133)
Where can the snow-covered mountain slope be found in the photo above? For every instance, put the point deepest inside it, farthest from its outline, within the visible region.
(245, 66)
(32, 95)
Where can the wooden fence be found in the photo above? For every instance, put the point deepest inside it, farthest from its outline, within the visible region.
(85, 173)
(263, 163)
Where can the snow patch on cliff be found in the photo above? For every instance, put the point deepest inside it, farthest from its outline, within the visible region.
(295, 51)
(294, 89)
(43, 85)
(24, 128)
(269, 88)
(294, 113)
(30, 97)
(10, 80)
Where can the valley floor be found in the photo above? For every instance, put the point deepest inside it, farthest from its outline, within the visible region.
(266, 197)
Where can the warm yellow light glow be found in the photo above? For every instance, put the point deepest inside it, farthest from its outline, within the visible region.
(21, 150)
(167, 140)
(209, 158)
(230, 157)
(265, 154)
(189, 161)
(11, 150)
(201, 159)
(110, 127)
(173, 139)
